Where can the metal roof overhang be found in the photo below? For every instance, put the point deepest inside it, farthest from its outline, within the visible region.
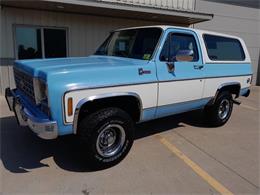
(119, 10)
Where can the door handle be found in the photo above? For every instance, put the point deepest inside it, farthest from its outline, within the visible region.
(198, 66)
(171, 67)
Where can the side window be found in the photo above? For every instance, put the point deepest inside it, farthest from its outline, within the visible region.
(223, 48)
(180, 47)
(183, 48)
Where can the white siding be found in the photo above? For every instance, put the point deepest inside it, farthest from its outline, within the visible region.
(235, 20)
(169, 4)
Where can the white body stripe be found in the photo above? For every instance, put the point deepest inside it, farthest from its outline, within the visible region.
(212, 85)
(169, 92)
(179, 91)
(147, 93)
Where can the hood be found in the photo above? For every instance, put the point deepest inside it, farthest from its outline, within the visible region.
(61, 66)
(93, 71)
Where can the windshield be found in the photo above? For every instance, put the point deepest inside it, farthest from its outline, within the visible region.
(133, 43)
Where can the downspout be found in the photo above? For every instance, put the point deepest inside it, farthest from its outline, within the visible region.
(194, 9)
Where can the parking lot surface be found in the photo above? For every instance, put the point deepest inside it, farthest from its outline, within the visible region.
(173, 155)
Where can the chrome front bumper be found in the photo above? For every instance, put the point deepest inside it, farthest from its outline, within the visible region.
(44, 128)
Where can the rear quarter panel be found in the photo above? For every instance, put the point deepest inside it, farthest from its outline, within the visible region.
(217, 73)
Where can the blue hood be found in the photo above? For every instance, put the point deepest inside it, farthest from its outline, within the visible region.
(85, 72)
(62, 66)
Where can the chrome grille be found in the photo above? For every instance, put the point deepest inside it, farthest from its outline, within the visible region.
(24, 82)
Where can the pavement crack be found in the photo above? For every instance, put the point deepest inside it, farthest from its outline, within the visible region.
(214, 158)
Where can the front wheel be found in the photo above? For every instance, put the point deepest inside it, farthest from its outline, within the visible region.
(219, 113)
(107, 136)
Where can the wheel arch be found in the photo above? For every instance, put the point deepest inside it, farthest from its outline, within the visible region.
(232, 87)
(106, 98)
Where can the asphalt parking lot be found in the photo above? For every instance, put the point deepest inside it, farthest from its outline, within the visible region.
(173, 155)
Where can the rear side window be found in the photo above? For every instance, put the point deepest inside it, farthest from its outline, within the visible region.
(223, 48)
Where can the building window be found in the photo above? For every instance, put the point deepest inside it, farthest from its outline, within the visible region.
(28, 43)
(40, 42)
(55, 43)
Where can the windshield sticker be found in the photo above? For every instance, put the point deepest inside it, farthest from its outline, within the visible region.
(146, 56)
(122, 46)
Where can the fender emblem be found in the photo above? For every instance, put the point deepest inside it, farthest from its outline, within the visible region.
(142, 71)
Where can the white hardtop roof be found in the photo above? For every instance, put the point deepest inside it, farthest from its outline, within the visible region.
(200, 34)
(198, 31)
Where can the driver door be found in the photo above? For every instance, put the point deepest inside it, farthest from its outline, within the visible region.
(180, 74)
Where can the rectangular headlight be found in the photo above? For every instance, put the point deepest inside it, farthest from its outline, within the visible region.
(40, 91)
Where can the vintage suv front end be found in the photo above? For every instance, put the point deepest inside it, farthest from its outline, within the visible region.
(30, 103)
(50, 92)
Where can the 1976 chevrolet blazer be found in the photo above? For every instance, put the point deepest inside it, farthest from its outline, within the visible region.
(137, 74)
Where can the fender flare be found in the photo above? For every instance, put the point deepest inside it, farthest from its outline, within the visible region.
(103, 96)
(226, 85)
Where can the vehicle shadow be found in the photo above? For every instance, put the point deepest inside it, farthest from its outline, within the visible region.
(22, 151)
(193, 118)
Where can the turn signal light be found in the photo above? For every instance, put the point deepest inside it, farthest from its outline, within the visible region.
(70, 106)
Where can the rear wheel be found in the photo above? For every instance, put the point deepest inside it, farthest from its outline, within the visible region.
(219, 113)
(107, 136)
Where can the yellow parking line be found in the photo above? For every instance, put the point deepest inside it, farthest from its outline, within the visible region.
(196, 168)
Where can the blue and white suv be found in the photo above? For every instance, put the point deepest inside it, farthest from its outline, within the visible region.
(136, 75)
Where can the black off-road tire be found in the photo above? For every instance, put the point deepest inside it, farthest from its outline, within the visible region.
(90, 129)
(212, 112)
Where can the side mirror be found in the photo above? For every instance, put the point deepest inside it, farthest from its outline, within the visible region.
(185, 55)
(170, 67)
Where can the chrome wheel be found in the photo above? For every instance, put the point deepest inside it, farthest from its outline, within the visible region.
(224, 109)
(110, 140)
